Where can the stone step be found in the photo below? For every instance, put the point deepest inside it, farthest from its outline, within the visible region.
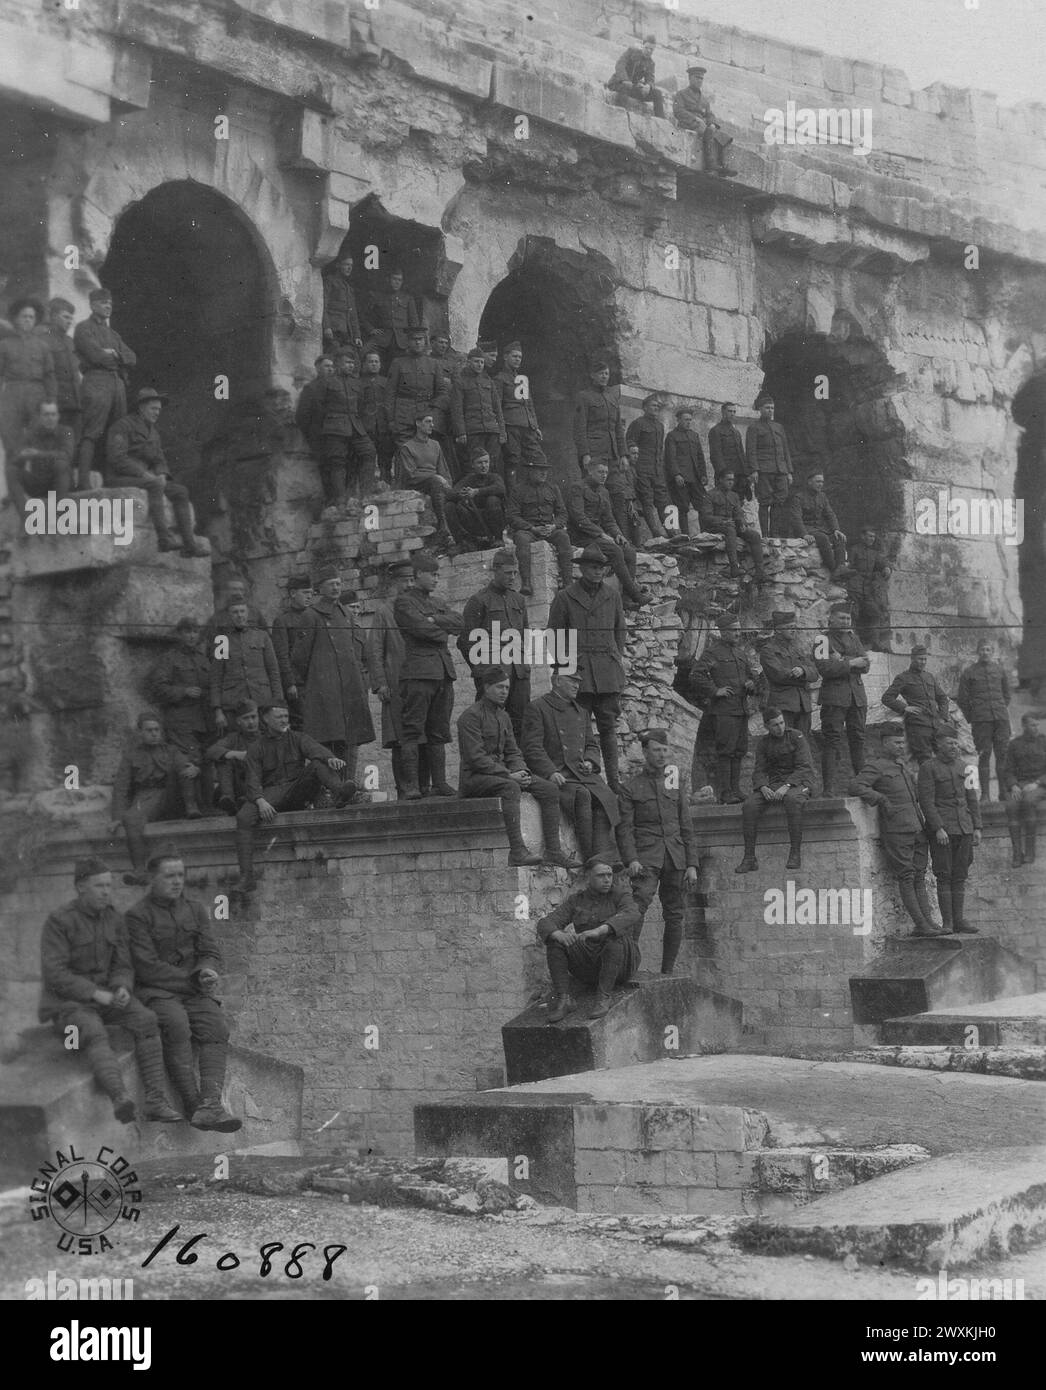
(951, 1211)
(917, 974)
(647, 1016)
(1018, 1021)
(1024, 1063)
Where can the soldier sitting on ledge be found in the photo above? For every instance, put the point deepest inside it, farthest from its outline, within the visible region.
(784, 772)
(146, 788)
(633, 76)
(590, 937)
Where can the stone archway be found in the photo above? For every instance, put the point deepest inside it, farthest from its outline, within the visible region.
(560, 305)
(195, 298)
(415, 249)
(1029, 411)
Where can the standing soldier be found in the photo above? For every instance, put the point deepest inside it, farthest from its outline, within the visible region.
(867, 587)
(373, 387)
(887, 784)
(692, 111)
(783, 773)
(55, 331)
(685, 469)
(592, 612)
(153, 782)
(621, 489)
(391, 315)
(286, 627)
(723, 516)
(325, 658)
(648, 433)
(341, 321)
(811, 516)
(235, 590)
(104, 362)
(87, 977)
(308, 413)
(536, 512)
(769, 466)
(180, 683)
(229, 756)
(591, 938)
(598, 432)
(134, 457)
(243, 667)
(27, 375)
(385, 659)
(919, 699)
(417, 385)
(176, 963)
(841, 660)
(1026, 787)
(475, 411)
(724, 677)
(789, 673)
(498, 604)
(591, 523)
(426, 676)
(953, 823)
(726, 451)
(558, 745)
(984, 694)
(633, 76)
(492, 765)
(349, 457)
(657, 841)
(522, 432)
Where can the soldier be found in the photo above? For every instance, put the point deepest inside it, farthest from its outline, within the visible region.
(87, 976)
(769, 466)
(536, 512)
(229, 757)
(492, 765)
(887, 784)
(953, 823)
(134, 458)
(349, 457)
(685, 468)
(591, 523)
(724, 677)
(984, 693)
(244, 668)
(784, 773)
(723, 516)
(341, 321)
(592, 611)
(499, 603)
(648, 433)
(308, 413)
(475, 410)
(726, 451)
(451, 361)
(384, 660)
(104, 361)
(842, 698)
(286, 627)
(176, 970)
(919, 699)
(692, 111)
(657, 841)
(234, 590)
(452, 364)
(489, 349)
(417, 385)
(373, 387)
(811, 516)
(391, 315)
(43, 461)
(591, 938)
(621, 489)
(1026, 787)
(285, 770)
(558, 745)
(634, 76)
(153, 782)
(522, 432)
(866, 585)
(27, 375)
(789, 673)
(476, 506)
(55, 332)
(326, 661)
(598, 431)
(419, 464)
(180, 684)
(426, 676)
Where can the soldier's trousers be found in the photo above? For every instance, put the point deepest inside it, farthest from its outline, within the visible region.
(521, 443)
(524, 542)
(19, 406)
(771, 489)
(652, 496)
(798, 719)
(730, 732)
(472, 521)
(667, 882)
(282, 796)
(756, 804)
(509, 792)
(991, 736)
(103, 399)
(907, 853)
(184, 1021)
(590, 821)
(158, 486)
(155, 804)
(872, 621)
(622, 505)
(604, 963)
(348, 467)
(431, 485)
(194, 744)
(951, 862)
(922, 740)
(730, 535)
(425, 710)
(686, 495)
(834, 718)
(831, 548)
(93, 1041)
(604, 710)
(654, 97)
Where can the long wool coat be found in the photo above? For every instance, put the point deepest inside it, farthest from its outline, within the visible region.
(326, 660)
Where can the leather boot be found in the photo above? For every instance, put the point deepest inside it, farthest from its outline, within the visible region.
(561, 1006)
(409, 771)
(722, 764)
(608, 747)
(911, 906)
(1017, 858)
(438, 769)
(211, 1114)
(397, 772)
(183, 519)
(191, 796)
(554, 852)
(106, 1071)
(245, 859)
(518, 854)
(735, 779)
(749, 863)
(1030, 831)
(424, 770)
(829, 762)
(149, 1055)
(944, 902)
(923, 900)
(584, 814)
(958, 902)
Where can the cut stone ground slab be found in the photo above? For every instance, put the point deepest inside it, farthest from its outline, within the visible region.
(1017, 1021)
(946, 1213)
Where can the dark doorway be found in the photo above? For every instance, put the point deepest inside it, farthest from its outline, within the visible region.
(192, 298)
(1029, 411)
(379, 242)
(560, 305)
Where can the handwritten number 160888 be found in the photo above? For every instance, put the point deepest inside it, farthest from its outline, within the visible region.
(292, 1268)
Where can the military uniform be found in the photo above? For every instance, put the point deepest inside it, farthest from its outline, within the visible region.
(66, 374)
(349, 455)
(134, 457)
(724, 665)
(692, 111)
(589, 514)
(866, 585)
(790, 694)
(522, 432)
(370, 401)
(286, 770)
(889, 785)
(598, 620)
(186, 717)
(146, 789)
(606, 963)
(43, 461)
(477, 520)
(633, 71)
(726, 454)
(419, 464)
(249, 671)
(621, 489)
(984, 695)
(103, 395)
(385, 658)
(489, 755)
(656, 829)
(508, 609)
(286, 628)
(325, 659)
(766, 448)
(557, 737)
(779, 760)
(843, 703)
(390, 317)
(598, 431)
(231, 773)
(416, 385)
(475, 412)
(722, 516)
(921, 726)
(685, 459)
(1025, 768)
(648, 435)
(27, 378)
(427, 673)
(341, 320)
(533, 504)
(308, 413)
(809, 512)
(951, 806)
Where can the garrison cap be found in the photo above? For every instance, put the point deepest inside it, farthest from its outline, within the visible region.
(87, 868)
(100, 296)
(492, 675)
(653, 736)
(920, 651)
(764, 399)
(487, 345)
(891, 729)
(298, 581)
(504, 558)
(246, 707)
(422, 561)
(478, 452)
(684, 410)
(841, 608)
(536, 459)
(474, 352)
(771, 712)
(514, 346)
(326, 572)
(400, 569)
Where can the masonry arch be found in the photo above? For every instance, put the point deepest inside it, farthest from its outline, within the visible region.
(560, 305)
(1029, 412)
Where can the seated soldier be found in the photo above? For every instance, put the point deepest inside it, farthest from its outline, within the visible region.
(155, 781)
(476, 505)
(536, 512)
(590, 937)
(692, 111)
(784, 772)
(560, 745)
(179, 684)
(633, 76)
(722, 516)
(492, 765)
(135, 458)
(229, 756)
(810, 515)
(86, 974)
(419, 464)
(176, 963)
(1025, 778)
(43, 462)
(591, 523)
(285, 770)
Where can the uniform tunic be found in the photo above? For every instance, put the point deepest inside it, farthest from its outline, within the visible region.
(385, 658)
(81, 951)
(248, 672)
(598, 430)
(335, 708)
(170, 942)
(587, 909)
(558, 737)
(598, 619)
(656, 826)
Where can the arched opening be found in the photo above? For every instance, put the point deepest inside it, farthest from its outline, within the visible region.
(1029, 411)
(378, 242)
(560, 305)
(853, 433)
(192, 298)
